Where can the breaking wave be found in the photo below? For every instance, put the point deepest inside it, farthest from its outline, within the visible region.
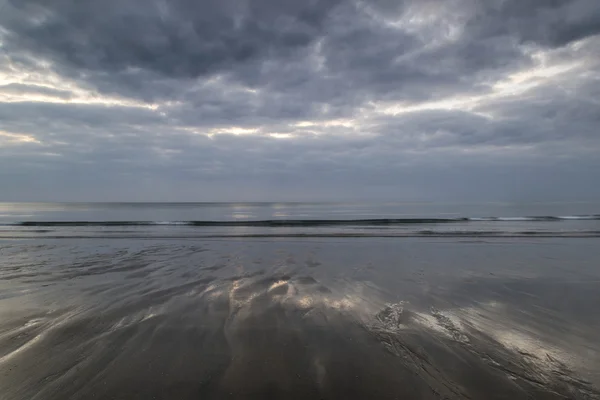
(275, 223)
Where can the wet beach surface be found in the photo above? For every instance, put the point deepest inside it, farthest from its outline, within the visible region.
(329, 318)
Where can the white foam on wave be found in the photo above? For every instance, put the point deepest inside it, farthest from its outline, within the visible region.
(580, 217)
(540, 218)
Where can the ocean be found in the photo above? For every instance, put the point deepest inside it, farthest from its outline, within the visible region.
(299, 300)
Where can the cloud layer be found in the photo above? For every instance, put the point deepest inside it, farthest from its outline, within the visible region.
(287, 100)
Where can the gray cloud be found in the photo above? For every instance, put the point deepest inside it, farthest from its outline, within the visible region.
(286, 99)
(177, 38)
(547, 22)
(19, 88)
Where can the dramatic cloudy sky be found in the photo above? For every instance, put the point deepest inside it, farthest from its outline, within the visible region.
(300, 100)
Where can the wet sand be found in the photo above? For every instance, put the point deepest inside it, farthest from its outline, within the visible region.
(349, 318)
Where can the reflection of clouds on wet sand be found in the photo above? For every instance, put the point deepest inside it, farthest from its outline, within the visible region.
(422, 341)
(189, 322)
(515, 352)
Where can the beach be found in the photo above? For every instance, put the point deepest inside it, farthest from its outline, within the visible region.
(165, 316)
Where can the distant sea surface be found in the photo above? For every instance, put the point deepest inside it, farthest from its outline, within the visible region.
(299, 301)
(297, 219)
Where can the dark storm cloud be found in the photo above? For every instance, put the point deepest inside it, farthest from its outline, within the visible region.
(146, 49)
(547, 22)
(183, 96)
(184, 39)
(179, 38)
(142, 48)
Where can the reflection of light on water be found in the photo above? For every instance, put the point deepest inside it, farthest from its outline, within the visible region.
(431, 323)
(277, 284)
(237, 301)
(342, 304)
(241, 211)
(241, 215)
(249, 296)
(523, 343)
(359, 301)
(57, 323)
(21, 349)
(305, 302)
(210, 290)
(280, 210)
(242, 294)
(464, 323)
(486, 319)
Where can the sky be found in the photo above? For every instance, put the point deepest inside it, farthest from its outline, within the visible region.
(287, 100)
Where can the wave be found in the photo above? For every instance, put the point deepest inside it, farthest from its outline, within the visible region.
(409, 234)
(253, 223)
(538, 219)
(305, 222)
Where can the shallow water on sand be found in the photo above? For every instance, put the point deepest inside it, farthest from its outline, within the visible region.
(299, 318)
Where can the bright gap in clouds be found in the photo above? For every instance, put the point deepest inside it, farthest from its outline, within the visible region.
(413, 97)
